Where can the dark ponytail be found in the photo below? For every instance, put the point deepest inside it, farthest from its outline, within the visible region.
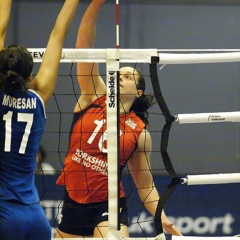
(12, 82)
(16, 66)
(142, 103)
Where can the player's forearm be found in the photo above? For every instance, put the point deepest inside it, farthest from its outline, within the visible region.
(5, 9)
(46, 77)
(65, 18)
(87, 29)
(149, 197)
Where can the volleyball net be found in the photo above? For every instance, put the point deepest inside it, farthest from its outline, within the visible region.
(112, 58)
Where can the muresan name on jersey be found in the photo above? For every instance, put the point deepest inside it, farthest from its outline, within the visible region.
(19, 103)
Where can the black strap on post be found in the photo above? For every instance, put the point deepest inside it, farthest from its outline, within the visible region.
(169, 119)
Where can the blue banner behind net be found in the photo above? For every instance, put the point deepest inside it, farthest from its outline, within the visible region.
(203, 210)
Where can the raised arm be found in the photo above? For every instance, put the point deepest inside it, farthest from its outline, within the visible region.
(45, 80)
(140, 168)
(5, 9)
(91, 84)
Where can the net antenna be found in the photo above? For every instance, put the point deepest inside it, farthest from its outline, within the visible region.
(117, 24)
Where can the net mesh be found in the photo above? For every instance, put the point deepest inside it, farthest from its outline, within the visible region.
(59, 112)
(59, 116)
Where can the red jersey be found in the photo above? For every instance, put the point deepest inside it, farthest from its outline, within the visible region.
(85, 166)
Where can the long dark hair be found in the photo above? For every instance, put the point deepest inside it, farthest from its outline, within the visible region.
(16, 64)
(145, 101)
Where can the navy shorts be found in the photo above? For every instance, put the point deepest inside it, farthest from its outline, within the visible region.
(23, 222)
(81, 219)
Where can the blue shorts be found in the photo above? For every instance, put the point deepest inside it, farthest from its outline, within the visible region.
(23, 222)
(81, 219)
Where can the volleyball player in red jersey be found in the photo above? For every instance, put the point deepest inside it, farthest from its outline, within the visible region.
(85, 207)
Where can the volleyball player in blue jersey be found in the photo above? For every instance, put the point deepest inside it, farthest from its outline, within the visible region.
(22, 121)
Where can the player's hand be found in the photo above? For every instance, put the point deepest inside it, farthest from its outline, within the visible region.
(169, 227)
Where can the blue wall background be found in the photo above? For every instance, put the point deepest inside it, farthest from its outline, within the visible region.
(210, 210)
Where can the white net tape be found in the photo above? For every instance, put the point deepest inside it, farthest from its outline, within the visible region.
(191, 58)
(99, 55)
(138, 56)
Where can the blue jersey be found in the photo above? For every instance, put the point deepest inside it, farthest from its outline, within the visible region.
(22, 123)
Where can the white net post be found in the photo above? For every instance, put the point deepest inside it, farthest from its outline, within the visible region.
(112, 56)
(208, 117)
(204, 179)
